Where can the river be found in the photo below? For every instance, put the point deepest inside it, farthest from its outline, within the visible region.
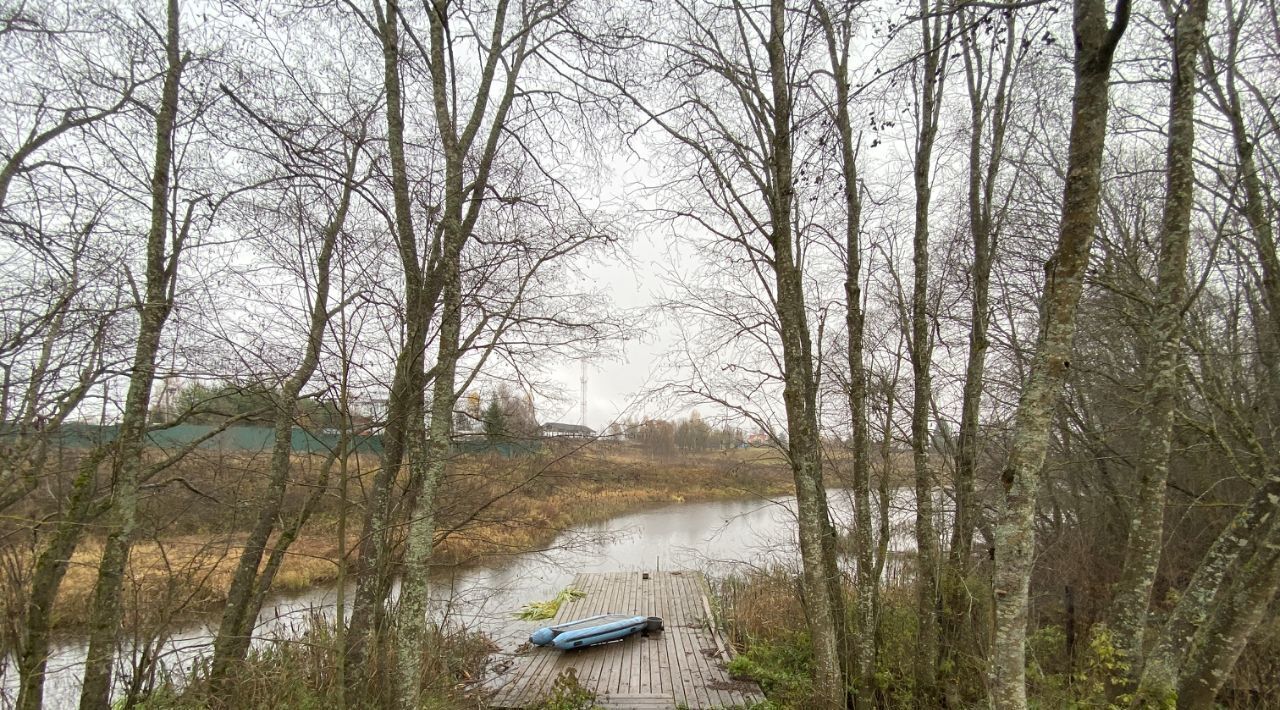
(713, 537)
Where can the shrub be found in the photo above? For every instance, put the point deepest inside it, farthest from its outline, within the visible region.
(304, 675)
(782, 666)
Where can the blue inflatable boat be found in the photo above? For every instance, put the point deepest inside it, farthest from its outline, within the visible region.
(593, 630)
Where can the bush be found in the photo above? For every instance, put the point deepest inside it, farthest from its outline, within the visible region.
(782, 666)
(896, 639)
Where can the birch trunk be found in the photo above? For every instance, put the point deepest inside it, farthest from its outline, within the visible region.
(860, 659)
(51, 567)
(1160, 370)
(161, 270)
(239, 614)
(1219, 644)
(926, 532)
(822, 609)
(820, 576)
(1240, 539)
(412, 621)
(429, 460)
(982, 179)
(1165, 661)
(30, 446)
(1221, 78)
(1064, 273)
(465, 146)
(405, 399)
(922, 360)
(1234, 617)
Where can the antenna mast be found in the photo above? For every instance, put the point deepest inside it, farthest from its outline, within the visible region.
(582, 414)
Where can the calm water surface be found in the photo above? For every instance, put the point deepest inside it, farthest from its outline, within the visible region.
(714, 537)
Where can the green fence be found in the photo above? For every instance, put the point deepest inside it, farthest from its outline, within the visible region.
(236, 438)
(261, 439)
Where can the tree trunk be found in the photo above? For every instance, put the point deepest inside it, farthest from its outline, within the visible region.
(1064, 274)
(105, 621)
(239, 614)
(820, 577)
(405, 399)
(864, 648)
(466, 148)
(1241, 537)
(1165, 662)
(957, 600)
(860, 658)
(1234, 617)
(1160, 370)
(926, 531)
(51, 567)
(412, 615)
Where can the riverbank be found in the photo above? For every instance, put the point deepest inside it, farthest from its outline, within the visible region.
(490, 506)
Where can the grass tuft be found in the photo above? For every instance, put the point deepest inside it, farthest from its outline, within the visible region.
(538, 611)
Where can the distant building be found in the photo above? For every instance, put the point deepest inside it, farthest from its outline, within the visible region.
(569, 431)
(759, 439)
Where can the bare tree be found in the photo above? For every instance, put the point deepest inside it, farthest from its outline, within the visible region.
(473, 146)
(163, 248)
(726, 99)
(838, 29)
(405, 399)
(935, 28)
(303, 155)
(1096, 42)
(988, 68)
(1164, 345)
(81, 87)
(1206, 631)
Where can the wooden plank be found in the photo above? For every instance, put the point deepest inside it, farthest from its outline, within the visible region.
(627, 664)
(646, 658)
(542, 665)
(699, 672)
(680, 633)
(711, 648)
(601, 657)
(614, 652)
(707, 645)
(636, 701)
(678, 667)
(538, 664)
(618, 681)
(637, 682)
(583, 662)
(695, 640)
(556, 662)
(543, 672)
(682, 665)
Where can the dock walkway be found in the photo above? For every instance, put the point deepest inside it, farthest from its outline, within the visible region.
(683, 666)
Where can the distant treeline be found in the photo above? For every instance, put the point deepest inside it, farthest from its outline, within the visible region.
(667, 437)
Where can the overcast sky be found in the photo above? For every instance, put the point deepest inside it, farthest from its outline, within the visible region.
(617, 386)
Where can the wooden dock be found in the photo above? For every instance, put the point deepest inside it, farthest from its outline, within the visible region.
(683, 666)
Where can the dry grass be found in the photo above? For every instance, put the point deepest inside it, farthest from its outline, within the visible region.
(306, 675)
(187, 554)
(173, 576)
